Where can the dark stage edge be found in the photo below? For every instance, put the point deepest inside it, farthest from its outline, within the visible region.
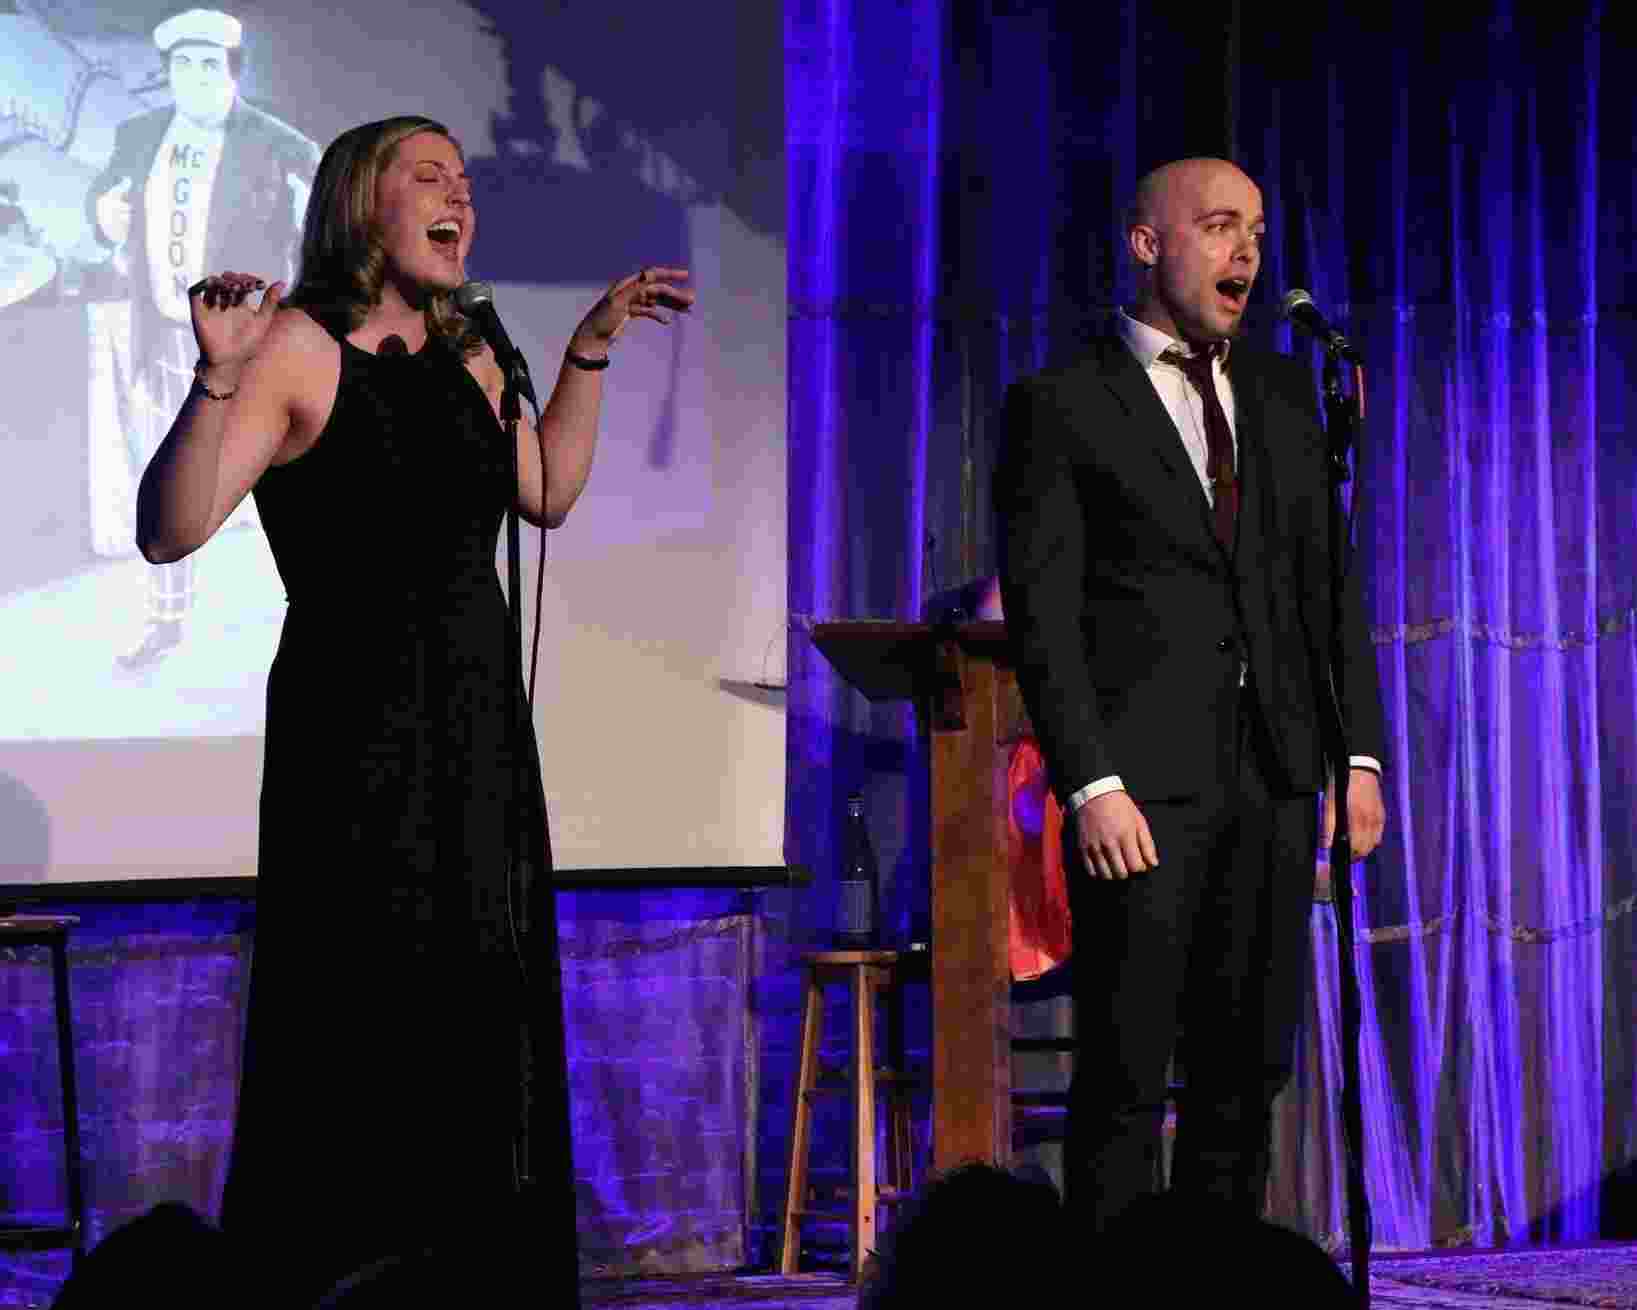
(26, 896)
(707, 1291)
(1602, 1275)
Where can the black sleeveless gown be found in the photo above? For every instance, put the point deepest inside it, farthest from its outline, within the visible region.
(404, 984)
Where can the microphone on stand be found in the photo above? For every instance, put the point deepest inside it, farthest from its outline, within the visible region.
(476, 300)
(1299, 308)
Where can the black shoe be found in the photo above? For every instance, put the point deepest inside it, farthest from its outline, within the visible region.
(158, 640)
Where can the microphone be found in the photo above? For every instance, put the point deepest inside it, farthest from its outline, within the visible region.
(476, 300)
(392, 345)
(1299, 308)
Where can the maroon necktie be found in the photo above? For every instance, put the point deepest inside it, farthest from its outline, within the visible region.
(1219, 470)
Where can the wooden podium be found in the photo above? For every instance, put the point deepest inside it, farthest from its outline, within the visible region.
(961, 680)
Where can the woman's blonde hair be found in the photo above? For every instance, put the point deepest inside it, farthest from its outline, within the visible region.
(343, 264)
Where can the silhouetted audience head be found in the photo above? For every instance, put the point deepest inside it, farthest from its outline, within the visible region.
(973, 1236)
(1187, 1250)
(170, 1255)
(174, 1257)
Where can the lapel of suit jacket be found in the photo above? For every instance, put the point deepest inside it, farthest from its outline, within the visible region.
(1158, 444)
(229, 191)
(147, 137)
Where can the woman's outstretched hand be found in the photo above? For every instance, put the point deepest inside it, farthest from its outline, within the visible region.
(227, 325)
(648, 293)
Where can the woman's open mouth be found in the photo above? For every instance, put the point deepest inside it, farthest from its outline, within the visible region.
(445, 235)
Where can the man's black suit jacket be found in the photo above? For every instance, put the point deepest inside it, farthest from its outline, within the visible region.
(252, 227)
(1129, 622)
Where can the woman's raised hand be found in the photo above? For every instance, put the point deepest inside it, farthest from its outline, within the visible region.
(228, 327)
(648, 293)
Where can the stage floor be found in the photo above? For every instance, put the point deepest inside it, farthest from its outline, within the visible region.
(1602, 1275)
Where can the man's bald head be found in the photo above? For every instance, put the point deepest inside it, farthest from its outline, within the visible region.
(1194, 230)
(1171, 189)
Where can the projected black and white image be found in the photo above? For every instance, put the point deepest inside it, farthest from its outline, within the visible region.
(194, 177)
(145, 144)
(209, 182)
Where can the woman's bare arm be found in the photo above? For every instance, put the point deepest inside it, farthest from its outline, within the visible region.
(217, 448)
(555, 462)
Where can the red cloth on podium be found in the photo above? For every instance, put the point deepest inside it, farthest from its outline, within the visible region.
(1041, 931)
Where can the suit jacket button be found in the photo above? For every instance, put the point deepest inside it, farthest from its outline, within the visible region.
(1225, 645)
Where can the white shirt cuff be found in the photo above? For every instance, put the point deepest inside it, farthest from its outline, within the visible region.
(1103, 786)
(1092, 790)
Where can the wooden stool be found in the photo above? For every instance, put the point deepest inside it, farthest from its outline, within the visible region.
(52, 931)
(867, 974)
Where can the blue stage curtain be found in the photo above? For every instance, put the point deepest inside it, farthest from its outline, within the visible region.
(663, 1072)
(1455, 185)
(157, 995)
(956, 170)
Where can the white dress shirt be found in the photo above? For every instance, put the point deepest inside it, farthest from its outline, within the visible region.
(1186, 407)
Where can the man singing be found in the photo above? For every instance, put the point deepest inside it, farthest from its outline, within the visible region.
(1165, 572)
(210, 183)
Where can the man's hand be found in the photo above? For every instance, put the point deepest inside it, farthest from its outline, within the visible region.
(1366, 813)
(114, 212)
(1114, 837)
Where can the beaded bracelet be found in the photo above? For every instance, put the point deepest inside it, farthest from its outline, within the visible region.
(199, 381)
(585, 361)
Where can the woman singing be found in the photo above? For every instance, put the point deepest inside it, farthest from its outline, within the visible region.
(403, 986)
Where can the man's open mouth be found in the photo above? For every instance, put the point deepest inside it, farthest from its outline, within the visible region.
(1234, 288)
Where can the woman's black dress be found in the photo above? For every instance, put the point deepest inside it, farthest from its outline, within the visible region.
(403, 983)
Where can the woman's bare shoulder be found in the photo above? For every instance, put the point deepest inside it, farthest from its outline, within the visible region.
(295, 329)
(302, 362)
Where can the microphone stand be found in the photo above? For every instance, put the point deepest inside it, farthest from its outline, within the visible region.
(531, 923)
(1343, 421)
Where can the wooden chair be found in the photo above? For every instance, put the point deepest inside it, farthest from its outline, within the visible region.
(1041, 1114)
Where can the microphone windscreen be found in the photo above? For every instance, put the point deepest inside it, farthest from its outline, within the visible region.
(393, 345)
(469, 295)
(1294, 299)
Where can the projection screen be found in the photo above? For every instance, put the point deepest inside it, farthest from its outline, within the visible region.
(599, 138)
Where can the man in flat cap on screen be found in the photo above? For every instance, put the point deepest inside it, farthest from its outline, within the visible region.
(208, 183)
